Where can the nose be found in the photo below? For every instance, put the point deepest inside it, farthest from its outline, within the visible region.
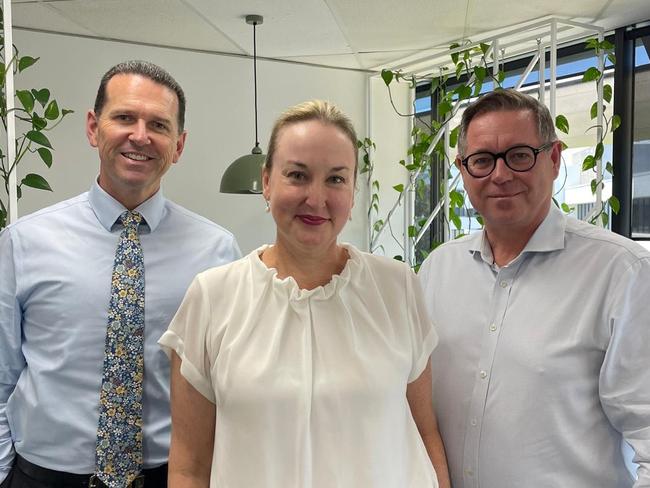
(139, 135)
(316, 195)
(501, 171)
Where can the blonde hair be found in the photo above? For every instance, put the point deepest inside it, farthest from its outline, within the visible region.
(320, 110)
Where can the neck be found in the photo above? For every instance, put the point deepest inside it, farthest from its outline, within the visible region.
(505, 245)
(309, 269)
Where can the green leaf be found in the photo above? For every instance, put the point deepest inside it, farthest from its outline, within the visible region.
(600, 149)
(564, 145)
(66, 111)
(397, 257)
(612, 58)
(593, 111)
(399, 188)
(606, 45)
(36, 181)
(39, 138)
(412, 231)
(444, 107)
(459, 70)
(562, 123)
(453, 136)
(484, 48)
(456, 198)
(478, 85)
(52, 111)
(614, 204)
(566, 208)
(387, 76)
(26, 99)
(609, 168)
(588, 163)
(454, 56)
(605, 218)
(607, 93)
(42, 96)
(501, 75)
(455, 219)
(38, 122)
(594, 186)
(591, 43)
(480, 220)
(463, 92)
(375, 184)
(616, 122)
(480, 72)
(25, 62)
(591, 74)
(46, 156)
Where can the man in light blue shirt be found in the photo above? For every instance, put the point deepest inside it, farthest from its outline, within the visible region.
(55, 282)
(541, 377)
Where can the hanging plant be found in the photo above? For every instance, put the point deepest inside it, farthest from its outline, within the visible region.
(36, 113)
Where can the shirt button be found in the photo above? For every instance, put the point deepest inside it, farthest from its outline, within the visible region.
(473, 422)
(493, 327)
(483, 374)
(504, 284)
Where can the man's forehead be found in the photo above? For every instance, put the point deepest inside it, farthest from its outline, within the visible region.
(131, 81)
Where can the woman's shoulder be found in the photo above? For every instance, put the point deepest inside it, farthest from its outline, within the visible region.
(227, 276)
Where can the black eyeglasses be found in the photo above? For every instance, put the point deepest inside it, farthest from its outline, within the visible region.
(517, 158)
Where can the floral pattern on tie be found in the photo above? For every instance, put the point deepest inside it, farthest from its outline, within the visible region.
(119, 433)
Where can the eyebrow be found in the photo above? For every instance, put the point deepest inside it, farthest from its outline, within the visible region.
(333, 170)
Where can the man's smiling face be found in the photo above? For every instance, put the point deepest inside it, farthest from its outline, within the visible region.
(137, 137)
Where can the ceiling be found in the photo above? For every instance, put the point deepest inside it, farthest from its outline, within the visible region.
(352, 34)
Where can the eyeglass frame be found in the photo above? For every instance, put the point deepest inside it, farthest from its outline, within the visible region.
(502, 155)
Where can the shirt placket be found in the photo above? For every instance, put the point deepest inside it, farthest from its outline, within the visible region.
(491, 331)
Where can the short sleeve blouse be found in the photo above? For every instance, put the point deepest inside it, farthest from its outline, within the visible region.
(309, 385)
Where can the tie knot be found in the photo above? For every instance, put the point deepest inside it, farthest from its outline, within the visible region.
(131, 219)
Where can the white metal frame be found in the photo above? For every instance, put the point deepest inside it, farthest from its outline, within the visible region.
(11, 120)
(547, 34)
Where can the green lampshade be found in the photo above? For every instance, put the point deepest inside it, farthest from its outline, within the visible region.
(244, 175)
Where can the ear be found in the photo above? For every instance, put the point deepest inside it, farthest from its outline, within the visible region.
(180, 145)
(91, 127)
(266, 176)
(458, 162)
(556, 157)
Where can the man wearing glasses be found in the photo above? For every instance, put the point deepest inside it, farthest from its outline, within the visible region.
(542, 372)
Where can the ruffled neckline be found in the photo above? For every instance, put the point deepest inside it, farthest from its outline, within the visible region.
(289, 284)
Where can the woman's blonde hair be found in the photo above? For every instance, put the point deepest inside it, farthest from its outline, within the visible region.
(320, 110)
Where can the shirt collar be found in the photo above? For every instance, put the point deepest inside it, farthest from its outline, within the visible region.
(107, 209)
(549, 236)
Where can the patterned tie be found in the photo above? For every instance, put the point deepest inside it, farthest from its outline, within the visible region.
(119, 433)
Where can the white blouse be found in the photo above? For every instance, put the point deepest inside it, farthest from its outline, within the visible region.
(309, 385)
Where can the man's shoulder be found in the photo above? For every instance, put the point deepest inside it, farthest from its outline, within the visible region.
(181, 216)
(51, 215)
(591, 236)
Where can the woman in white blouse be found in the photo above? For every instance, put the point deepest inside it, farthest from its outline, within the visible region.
(306, 363)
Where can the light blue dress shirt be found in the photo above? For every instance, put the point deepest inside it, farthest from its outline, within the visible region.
(55, 282)
(542, 372)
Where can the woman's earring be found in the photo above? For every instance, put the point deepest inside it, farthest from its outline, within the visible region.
(268, 206)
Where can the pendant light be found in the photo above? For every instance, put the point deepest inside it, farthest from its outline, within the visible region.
(244, 174)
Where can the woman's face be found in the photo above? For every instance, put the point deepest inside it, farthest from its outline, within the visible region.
(310, 186)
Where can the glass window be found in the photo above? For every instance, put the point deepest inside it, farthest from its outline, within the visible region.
(641, 146)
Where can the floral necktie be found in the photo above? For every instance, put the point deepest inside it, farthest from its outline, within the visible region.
(119, 433)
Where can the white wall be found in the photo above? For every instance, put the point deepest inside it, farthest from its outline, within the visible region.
(390, 132)
(219, 120)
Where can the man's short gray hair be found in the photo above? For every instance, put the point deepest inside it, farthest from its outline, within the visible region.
(510, 99)
(148, 70)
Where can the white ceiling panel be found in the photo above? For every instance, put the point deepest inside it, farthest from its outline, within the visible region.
(290, 28)
(343, 33)
(41, 16)
(163, 22)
